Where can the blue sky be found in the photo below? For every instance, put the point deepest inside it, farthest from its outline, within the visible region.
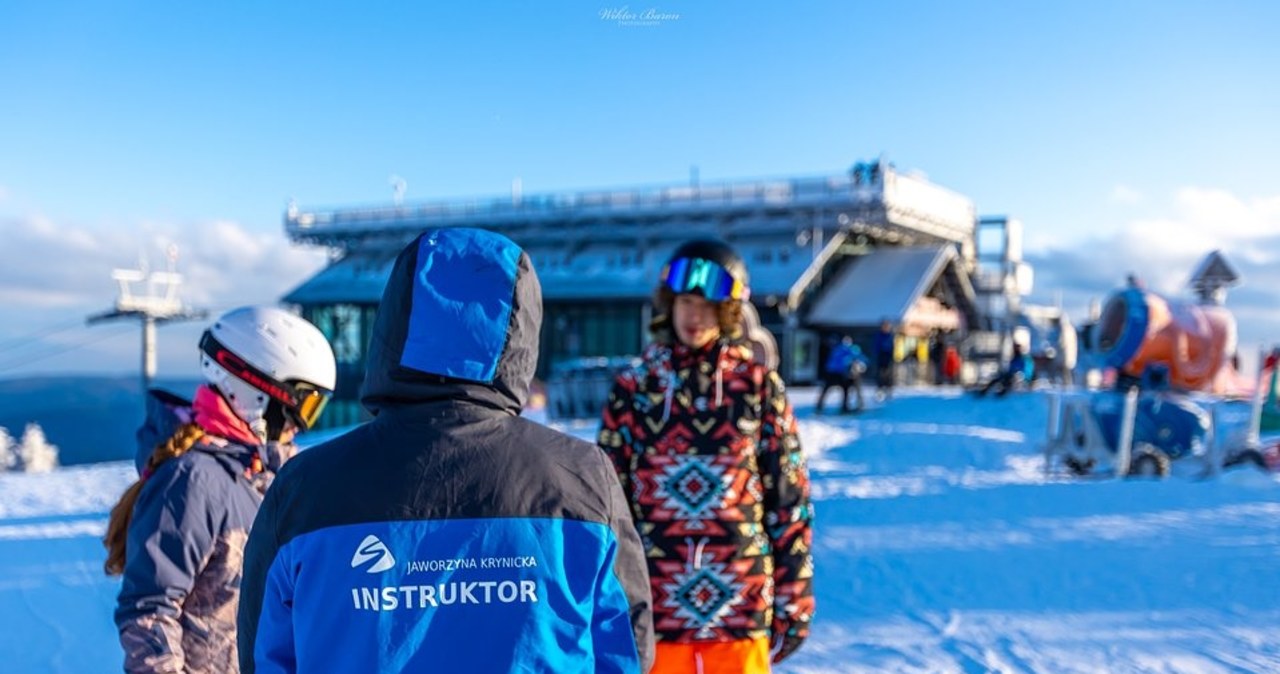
(1125, 135)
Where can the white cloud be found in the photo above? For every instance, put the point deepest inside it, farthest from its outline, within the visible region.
(54, 273)
(1203, 220)
(12, 297)
(222, 262)
(1124, 194)
(1228, 216)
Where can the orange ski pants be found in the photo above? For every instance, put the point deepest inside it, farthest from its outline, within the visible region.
(747, 656)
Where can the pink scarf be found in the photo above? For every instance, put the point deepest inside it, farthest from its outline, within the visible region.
(214, 415)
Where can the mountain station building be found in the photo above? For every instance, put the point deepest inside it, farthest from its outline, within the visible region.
(827, 255)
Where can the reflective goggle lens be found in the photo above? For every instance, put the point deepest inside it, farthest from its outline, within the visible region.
(311, 405)
(697, 275)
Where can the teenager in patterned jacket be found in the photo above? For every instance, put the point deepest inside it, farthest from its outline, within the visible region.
(706, 447)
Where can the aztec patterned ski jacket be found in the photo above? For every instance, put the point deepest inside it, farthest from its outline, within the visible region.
(707, 450)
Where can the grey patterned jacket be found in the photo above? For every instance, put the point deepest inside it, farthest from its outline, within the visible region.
(176, 610)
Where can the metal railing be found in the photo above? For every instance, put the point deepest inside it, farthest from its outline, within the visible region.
(779, 193)
(834, 191)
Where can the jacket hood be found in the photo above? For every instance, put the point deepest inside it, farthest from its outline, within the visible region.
(459, 321)
(165, 413)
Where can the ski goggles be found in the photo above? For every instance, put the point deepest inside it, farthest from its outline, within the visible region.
(303, 402)
(704, 277)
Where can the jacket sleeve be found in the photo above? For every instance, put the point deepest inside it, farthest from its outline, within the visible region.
(264, 623)
(788, 516)
(622, 630)
(618, 428)
(171, 536)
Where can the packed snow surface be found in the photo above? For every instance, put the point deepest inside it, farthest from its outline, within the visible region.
(941, 546)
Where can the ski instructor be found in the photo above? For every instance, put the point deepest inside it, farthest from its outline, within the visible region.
(706, 446)
(448, 534)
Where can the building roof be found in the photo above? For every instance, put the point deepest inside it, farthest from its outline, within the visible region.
(358, 278)
(596, 279)
(904, 203)
(609, 245)
(1214, 270)
(884, 284)
(597, 272)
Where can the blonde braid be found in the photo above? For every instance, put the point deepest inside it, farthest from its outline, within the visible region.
(117, 534)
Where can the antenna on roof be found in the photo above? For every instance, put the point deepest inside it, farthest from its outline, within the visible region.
(398, 187)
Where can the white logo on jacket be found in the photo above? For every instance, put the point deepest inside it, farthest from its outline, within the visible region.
(370, 549)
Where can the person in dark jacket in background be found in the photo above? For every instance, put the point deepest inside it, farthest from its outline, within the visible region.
(178, 534)
(448, 534)
(705, 441)
(843, 370)
(937, 356)
(1018, 373)
(883, 346)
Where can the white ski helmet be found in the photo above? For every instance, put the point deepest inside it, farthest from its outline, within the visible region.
(270, 365)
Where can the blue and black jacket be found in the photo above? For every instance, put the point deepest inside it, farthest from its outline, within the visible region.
(841, 361)
(448, 534)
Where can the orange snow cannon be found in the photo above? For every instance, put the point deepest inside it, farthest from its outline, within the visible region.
(1194, 342)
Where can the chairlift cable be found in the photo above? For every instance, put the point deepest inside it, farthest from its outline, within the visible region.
(59, 349)
(23, 340)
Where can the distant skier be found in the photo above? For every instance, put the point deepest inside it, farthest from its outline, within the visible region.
(843, 370)
(1018, 373)
(178, 533)
(951, 365)
(937, 357)
(448, 534)
(884, 347)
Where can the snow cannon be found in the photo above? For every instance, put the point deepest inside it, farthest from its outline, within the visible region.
(1145, 433)
(1171, 423)
(1194, 341)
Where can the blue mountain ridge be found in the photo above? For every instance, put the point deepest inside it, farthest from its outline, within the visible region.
(90, 418)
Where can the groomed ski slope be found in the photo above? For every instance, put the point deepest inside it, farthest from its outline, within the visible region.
(941, 547)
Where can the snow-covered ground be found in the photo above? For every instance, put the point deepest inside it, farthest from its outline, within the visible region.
(940, 547)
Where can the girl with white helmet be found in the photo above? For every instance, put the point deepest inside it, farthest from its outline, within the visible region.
(178, 533)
